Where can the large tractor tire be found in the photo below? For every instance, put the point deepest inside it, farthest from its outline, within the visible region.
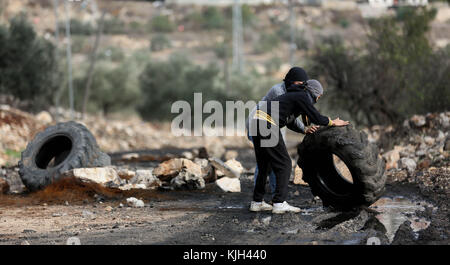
(57, 149)
(358, 184)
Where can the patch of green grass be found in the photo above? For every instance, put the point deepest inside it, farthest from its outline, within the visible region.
(13, 153)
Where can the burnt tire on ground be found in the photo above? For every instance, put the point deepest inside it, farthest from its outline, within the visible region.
(57, 149)
(317, 159)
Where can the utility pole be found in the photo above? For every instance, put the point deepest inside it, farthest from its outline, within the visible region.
(238, 40)
(55, 8)
(69, 57)
(292, 32)
(93, 61)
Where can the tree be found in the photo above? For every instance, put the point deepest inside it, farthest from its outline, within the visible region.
(27, 64)
(163, 83)
(392, 76)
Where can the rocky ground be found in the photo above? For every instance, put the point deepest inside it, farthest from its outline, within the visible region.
(198, 192)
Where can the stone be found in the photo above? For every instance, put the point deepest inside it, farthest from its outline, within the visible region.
(266, 220)
(188, 180)
(429, 140)
(88, 215)
(235, 165)
(447, 143)
(135, 203)
(133, 186)
(130, 156)
(44, 117)
(146, 178)
(108, 208)
(424, 164)
(126, 174)
(441, 136)
(170, 169)
(298, 177)
(231, 170)
(392, 157)
(231, 154)
(215, 148)
(188, 155)
(408, 164)
(4, 186)
(229, 184)
(208, 171)
(418, 120)
(444, 120)
(105, 176)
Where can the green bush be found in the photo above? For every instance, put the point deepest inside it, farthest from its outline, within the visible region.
(395, 75)
(162, 23)
(159, 42)
(113, 88)
(344, 23)
(27, 65)
(210, 18)
(273, 65)
(266, 43)
(213, 18)
(114, 26)
(112, 53)
(163, 83)
(77, 27)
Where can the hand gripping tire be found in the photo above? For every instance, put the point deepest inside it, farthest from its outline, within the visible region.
(57, 149)
(361, 158)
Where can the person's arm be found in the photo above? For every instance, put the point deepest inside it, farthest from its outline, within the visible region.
(274, 92)
(313, 114)
(316, 117)
(297, 126)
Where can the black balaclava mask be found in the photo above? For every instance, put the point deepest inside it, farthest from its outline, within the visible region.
(295, 74)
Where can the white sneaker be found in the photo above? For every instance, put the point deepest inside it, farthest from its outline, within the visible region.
(284, 207)
(260, 206)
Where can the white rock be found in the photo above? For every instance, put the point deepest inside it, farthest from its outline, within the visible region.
(130, 156)
(188, 155)
(429, 140)
(418, 120)
(186, 179)
(88, 215)
(101, 175)
(44, 117)
(231, 169)
(126, 174)
(229, 184)
(408, 164)
(266, 220)
(235, 165)
(133, 202)
(231, 154)
(146, 178)
(393, 156)
(440, 137)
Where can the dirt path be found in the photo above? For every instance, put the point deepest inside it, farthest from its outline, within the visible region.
(210, 216)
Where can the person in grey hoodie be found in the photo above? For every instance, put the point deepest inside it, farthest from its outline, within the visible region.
(296, 76)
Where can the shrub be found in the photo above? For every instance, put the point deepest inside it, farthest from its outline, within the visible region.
(162, 24)
(27, 65)
(159, 42)
(266, 43)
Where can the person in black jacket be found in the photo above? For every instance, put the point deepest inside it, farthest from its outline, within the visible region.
(270, 150)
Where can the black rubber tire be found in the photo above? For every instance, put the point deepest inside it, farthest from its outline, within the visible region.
(361, 158)
(69, 145)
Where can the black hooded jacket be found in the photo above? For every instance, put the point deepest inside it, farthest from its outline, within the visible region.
(293, 104)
